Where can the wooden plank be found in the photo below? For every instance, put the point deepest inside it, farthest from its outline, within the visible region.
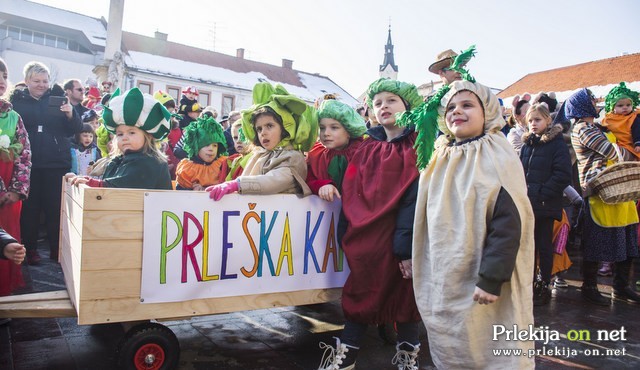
(75, 192)
(108, 199)
(111, 254)
(55, 309)
(70, 252)
(110, 284)
(58, 295)
(47, 304)
(112, 225)
(130, 309)
(73, 212)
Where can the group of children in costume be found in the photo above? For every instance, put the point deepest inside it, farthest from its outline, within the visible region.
(451, 245)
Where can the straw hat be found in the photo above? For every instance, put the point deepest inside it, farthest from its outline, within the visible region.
(443, 60)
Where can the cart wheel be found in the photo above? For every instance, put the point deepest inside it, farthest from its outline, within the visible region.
(149, 346)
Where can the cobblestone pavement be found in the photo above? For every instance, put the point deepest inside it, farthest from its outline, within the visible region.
(288, 337)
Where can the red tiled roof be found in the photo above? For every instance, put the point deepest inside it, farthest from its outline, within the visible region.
(155, 46)
(597, 73)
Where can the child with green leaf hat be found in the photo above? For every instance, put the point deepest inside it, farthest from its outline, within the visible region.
(623, 119)
(144, 167)
(475, 182)
(378, 197)
(206, 164)
(286, 127)
(341, 131)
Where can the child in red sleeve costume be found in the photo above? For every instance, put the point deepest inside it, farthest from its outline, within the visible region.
(341, 130)
(379, 190)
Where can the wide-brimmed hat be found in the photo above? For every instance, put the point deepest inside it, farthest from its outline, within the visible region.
(443, 60)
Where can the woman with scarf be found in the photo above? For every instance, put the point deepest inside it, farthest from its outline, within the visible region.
(609, 230)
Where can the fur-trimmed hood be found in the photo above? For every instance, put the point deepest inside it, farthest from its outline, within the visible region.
(551, 133)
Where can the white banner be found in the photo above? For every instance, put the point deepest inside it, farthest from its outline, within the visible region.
(196, 248)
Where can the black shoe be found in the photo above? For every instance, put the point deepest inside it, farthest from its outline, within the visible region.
(591, 294)
(4, 321)
(541, 293)
(625, 294)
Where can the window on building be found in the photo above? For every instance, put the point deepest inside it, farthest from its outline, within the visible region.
(50, 40)
(62, 43)
(14, 33)
(174, 92)
(204, 98)
(41, 38)
(145, 87)
(73, 45)
(38, 38)
(26, 35)
(228, 104)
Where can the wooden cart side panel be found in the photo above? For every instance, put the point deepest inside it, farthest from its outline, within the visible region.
(72, 209)
(112, 225)
(130, 309)
(70, 262)
(71, 240)
(106, 199)
(110, 284)
(110, 276)
(76, 193)
(111, 255)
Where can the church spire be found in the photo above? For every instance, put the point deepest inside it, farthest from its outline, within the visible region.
(388, 68)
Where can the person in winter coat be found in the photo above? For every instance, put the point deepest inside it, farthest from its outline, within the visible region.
(609, 231)
(547, 168)
(49, 129)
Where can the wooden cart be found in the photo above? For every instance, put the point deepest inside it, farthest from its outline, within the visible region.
(101, 258)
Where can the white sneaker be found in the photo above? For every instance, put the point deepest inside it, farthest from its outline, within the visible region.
(406, 356)
(342, 357)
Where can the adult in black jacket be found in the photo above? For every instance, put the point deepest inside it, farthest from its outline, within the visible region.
(49, 131)
(547, 166)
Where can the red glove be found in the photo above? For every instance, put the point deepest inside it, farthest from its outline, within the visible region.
(216, 192)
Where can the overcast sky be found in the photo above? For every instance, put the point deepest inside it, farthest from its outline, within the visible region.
(344, 39)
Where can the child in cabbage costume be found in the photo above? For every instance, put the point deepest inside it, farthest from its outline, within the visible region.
(205, 144)
(378, 197)
(282, 127)
(341, 130)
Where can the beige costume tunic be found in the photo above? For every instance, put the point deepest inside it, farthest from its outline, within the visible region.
(456, 199)
(277, 171)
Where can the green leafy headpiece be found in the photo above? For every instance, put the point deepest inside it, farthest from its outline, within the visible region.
(405, 90)
(299, 119)
(203, 132)
(620, 92)
(347, 116)
(425, 116)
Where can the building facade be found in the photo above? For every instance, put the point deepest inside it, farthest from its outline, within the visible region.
(73, 45)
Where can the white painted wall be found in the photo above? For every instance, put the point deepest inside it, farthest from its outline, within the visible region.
(61, 70)
(243, 97)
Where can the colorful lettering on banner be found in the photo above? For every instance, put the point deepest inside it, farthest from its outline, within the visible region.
(194, 248)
